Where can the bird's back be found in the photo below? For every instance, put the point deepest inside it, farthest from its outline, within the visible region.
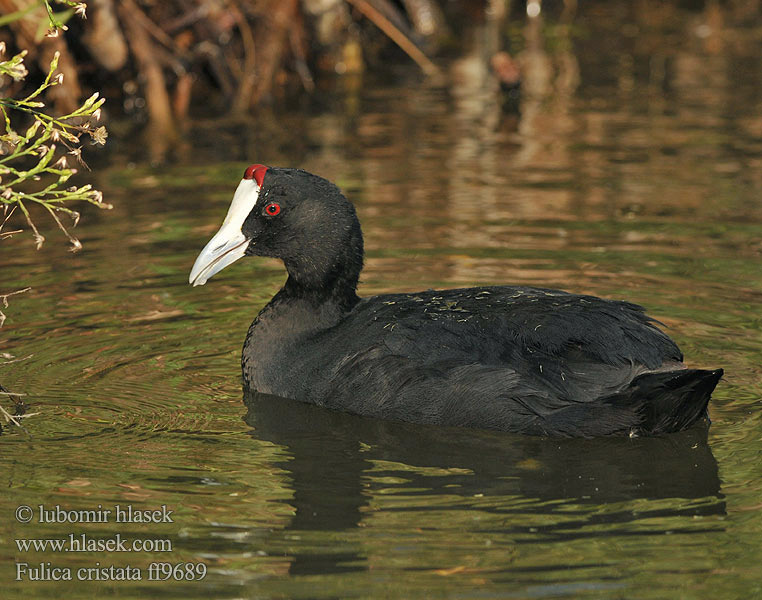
(527, 329)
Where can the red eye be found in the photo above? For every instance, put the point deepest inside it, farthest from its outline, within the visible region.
(272, 209)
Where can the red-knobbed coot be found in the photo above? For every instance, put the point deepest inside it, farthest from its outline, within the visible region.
(519, 359)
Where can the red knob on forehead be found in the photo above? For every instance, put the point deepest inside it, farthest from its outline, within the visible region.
(255, 172)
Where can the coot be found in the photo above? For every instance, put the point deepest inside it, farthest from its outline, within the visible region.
(521, 359)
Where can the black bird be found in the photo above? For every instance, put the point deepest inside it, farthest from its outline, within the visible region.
(527, 360)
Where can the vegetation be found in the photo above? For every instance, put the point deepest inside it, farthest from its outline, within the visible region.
(45, 144)
(36, 149)
(231, 55)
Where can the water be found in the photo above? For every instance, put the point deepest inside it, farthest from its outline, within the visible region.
(633, 172)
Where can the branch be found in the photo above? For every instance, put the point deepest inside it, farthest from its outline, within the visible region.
(397, 36)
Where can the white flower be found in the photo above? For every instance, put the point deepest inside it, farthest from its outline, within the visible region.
(18, 71)
(99, 135)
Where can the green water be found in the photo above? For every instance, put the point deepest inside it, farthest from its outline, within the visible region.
(634, 171)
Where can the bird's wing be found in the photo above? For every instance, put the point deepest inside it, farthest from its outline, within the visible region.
(556, 345)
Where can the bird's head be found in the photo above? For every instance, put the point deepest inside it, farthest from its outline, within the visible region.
(289, 214)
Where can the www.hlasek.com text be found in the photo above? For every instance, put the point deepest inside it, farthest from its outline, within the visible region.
(84, 543)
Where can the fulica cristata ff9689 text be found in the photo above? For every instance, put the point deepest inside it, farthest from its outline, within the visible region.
(519, 359)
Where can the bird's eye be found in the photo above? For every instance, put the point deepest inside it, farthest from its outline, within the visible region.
(272, 209)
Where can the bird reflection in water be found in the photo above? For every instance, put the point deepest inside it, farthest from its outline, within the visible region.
(330, 455)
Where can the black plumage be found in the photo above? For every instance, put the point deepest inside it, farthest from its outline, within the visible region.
(520, 359)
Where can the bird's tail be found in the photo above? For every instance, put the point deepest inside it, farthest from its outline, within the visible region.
(653, 403)
(668, 401)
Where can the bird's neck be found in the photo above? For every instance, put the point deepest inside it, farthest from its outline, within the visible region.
(317, 294)
(338, 290)
(295, 316)
(294, 313)
(320, 291)
(327, 274)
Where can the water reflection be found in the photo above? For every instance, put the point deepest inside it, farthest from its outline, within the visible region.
(550, 489)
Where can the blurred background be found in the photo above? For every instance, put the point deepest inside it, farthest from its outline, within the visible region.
(604, 147)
